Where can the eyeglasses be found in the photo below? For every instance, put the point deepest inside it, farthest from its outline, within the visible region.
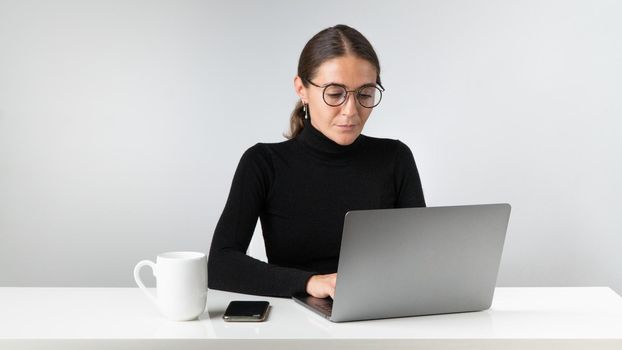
(335, 95)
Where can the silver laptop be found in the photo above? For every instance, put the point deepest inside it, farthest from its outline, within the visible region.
(416, 261)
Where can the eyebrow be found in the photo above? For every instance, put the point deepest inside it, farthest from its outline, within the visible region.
(344, 85)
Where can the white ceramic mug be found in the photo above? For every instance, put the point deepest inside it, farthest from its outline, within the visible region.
(181, 284)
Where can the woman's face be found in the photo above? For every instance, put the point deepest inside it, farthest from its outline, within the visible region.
(342, 124)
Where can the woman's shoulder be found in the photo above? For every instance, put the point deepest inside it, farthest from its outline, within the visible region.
(386, 145)
(267, 147)
(264, 151)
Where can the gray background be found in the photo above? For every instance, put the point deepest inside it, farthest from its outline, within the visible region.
(122, 122)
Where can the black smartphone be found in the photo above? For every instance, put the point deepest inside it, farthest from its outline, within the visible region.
(246, 311)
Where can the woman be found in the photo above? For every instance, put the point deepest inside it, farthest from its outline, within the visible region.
(300, 189)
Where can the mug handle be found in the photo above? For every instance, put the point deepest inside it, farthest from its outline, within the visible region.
(137, 268)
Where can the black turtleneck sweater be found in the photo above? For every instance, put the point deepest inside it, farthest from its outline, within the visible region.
(300, 190)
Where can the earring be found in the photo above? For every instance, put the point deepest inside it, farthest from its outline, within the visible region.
(304, 108)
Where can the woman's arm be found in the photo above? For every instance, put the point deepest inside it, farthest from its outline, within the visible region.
(229, 268)
(408, 184)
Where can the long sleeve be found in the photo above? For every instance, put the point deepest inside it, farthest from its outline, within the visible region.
(229, 268)
(409, 190)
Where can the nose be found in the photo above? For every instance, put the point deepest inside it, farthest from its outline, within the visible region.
(348, 108)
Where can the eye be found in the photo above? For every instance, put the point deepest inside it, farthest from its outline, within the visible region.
(367, 92)
(334, 90)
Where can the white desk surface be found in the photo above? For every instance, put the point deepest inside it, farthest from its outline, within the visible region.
(534, 318)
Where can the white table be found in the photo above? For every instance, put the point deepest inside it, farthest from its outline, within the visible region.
(123, 318)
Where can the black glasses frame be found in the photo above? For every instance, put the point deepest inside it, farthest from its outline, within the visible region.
(356, 91)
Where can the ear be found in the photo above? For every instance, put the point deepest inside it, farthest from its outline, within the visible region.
(300, 89)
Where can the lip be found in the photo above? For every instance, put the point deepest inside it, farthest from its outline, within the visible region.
(346, 126)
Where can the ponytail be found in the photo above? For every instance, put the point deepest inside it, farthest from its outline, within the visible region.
(296, 121)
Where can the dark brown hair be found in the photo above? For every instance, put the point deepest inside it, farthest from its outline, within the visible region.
(333, 42)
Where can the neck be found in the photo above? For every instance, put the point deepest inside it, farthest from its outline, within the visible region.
(322, 145)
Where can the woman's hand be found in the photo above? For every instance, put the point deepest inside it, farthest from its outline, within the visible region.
(322, 286)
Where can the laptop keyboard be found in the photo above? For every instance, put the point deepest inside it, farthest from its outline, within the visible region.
(325, 305)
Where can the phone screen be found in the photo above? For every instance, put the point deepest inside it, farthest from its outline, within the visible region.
(250, 311)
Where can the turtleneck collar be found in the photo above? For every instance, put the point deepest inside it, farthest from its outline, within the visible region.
(323, 146)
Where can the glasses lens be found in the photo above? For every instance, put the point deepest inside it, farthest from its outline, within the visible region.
(334, 95)
(369, 96)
